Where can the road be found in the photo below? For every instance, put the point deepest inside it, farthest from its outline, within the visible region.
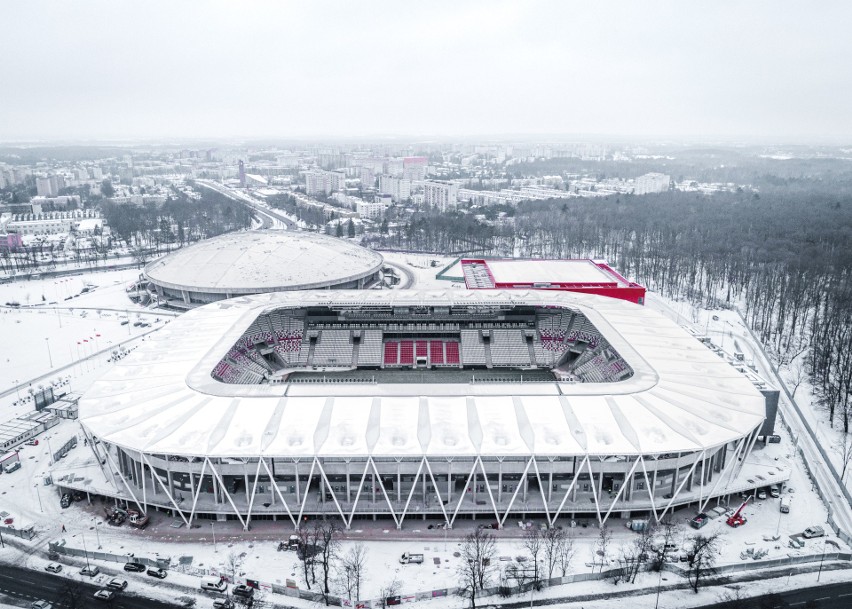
(60, 589)
(407, 278)
(266, 215)
(828, 596)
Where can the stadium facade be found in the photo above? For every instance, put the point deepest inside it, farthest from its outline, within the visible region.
(419, 405)
(257, 262)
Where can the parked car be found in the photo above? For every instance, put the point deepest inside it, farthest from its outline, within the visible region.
(243, 590)
(761, 494)
(53, 567)
(223, 603)
(774, 491)
(12, 467)
(785, 506)
(212, 583)
(104, 595)
(117, 584)
(158, 573)
(813, 532)
(65, 501)
(91, 571)
(774, 439)
(699, 520)
(40, 605)
(134, 567)
(32, 442)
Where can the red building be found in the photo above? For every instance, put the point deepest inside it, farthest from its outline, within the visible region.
(587, 276)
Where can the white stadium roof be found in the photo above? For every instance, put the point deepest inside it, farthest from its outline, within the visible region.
(251, 262)
(162, 398)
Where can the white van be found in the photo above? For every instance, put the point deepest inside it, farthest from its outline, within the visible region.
(785, 505)
(212, 583)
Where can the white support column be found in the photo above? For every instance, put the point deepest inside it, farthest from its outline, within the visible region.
(680, 486)
(358, 494)
(124, 480)
(384, 492)
(627, 480)
(305, 494)
(650, 489)
(515, 494)
(168, 494)
(142, 475)
(411, 493)
(437, 492)
(488, 488)
(541, 489)
(198, 489)
(331, 490)
(278, 490)
(594, 489)
(464, 490)
(250, 499)
(570, 488)
(227, 495)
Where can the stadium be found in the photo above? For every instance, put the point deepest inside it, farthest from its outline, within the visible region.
(426, 405)
(257, 262)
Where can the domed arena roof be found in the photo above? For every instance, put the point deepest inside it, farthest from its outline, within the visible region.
(252, 262)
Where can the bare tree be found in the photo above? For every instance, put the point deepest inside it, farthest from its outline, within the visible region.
(641, 552)
(552, 539)
(566, 555)
(703, 551)
(798, 373)
(659, 545)
(305, 553)
(326, 535)
(534, 546)
(843, 448)
(602, 545)
(352, 570)
(474, 571)
(387, 591)
(233, 562)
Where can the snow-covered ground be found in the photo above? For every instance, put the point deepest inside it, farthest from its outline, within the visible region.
(26, 499)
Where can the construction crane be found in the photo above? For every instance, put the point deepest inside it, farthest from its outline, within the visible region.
(737, 519)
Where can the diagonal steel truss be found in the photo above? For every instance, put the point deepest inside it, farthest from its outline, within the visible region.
(451, 503)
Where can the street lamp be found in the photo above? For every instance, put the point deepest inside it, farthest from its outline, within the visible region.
(38, 494)
(97, 534)
(819, 573)
(49, 357)
(212, 528)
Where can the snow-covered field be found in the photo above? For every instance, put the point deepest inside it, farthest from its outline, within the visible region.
(26, 499)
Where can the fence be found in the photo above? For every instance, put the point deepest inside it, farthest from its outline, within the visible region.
(25, 533)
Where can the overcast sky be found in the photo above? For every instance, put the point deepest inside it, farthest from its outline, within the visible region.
(114, 69)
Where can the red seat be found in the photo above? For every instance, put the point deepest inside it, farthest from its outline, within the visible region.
(436, 351)
(391, 353)
(452, 353)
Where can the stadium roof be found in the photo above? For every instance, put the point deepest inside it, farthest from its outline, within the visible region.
(162, 398)
(251, 262)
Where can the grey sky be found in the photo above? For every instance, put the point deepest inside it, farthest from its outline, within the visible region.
(149, 69)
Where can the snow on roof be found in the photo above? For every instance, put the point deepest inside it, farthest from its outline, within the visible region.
(250, 262)
(162, 398)
(548, 271)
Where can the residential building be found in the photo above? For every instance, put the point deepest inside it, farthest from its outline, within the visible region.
(443, 195)
(651, 183)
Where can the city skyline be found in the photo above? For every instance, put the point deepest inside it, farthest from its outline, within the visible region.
(101, 71)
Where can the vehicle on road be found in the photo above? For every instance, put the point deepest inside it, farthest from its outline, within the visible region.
(737, 519)
(117, 584)
(223, 603)
(699, 520)
(158, 573)
(53, 567)
(134, 567)
(212, 583)
(12, 467)
(408, 558)
(814, 531)
(243, 591)
(104, 595)
(90, 571)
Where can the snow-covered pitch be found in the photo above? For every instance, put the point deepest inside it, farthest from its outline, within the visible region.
(253, 262)
(672, 424)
